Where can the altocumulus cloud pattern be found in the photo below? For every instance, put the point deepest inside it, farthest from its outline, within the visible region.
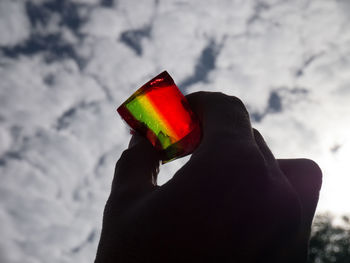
(65, 66)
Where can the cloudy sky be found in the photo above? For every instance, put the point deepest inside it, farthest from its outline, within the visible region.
(65, 66)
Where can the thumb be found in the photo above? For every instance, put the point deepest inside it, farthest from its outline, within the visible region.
(135, 175)
(138, 165)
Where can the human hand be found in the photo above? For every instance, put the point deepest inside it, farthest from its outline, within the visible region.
(231, 202)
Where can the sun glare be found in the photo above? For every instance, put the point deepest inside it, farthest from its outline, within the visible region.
(335, 193)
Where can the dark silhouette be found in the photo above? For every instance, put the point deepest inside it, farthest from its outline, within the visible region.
(231, 202)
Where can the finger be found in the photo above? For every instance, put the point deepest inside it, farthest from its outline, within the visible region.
(306, 178)
(138, 165)
(227, 147)
(224, 120)
(304, 175)
(135, 175)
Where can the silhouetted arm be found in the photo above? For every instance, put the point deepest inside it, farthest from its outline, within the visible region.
(231, 202)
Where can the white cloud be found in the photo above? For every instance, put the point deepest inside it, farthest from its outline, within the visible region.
(14, 24)
(27, 100)
(105, 22)
(5, 139)
(137, 13)
(60, 134)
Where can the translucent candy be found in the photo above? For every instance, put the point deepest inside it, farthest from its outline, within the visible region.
(160, 112)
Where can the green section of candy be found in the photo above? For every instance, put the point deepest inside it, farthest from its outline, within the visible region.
(142, 111)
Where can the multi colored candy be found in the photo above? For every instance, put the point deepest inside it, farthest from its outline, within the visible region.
(160, 112)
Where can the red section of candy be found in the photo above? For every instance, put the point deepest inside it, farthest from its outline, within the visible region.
(174, 108)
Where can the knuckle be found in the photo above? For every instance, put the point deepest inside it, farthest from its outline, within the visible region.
(124, 160)
(205, 97)
(123, 157)
(195, 96)
(314, 172)
(247, 156)
(218, 96)
(237, 103)
(256, 132)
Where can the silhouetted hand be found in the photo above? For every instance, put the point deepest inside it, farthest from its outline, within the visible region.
(231, 202)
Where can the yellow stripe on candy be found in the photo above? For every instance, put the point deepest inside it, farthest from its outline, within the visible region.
(162, 114)
(145, 111)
